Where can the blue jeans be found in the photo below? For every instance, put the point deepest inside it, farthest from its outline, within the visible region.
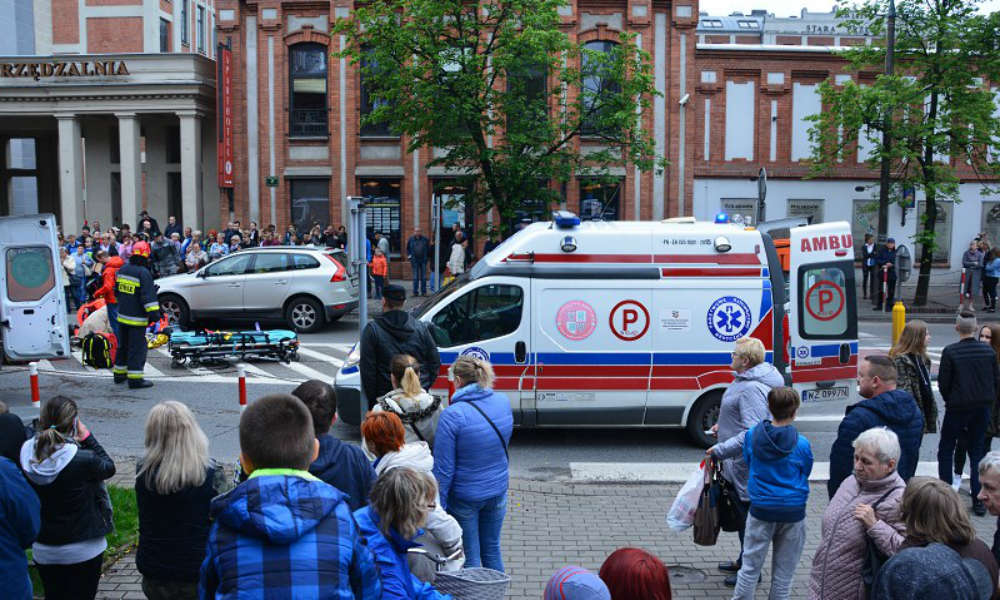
(78, 285)
(481, 523)
(970, 426)
(419, 276)
(113, 317)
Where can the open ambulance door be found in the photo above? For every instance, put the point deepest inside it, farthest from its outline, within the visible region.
(32, 305)
(823, 320)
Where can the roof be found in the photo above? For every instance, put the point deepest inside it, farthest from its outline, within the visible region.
(730, 24)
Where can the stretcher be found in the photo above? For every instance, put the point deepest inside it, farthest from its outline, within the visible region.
(194, 348)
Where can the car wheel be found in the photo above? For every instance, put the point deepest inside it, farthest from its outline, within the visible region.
(304, 314)
(176, 310)
(704, 414)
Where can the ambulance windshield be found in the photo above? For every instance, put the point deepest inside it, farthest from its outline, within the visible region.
(456, 284)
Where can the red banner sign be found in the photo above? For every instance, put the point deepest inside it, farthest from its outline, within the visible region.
(225, 116)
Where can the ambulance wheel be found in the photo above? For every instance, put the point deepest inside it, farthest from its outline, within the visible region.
(703, 415)
(176, 310)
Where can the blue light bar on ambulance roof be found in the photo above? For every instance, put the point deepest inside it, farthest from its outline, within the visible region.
(721, 218)
(565, 219)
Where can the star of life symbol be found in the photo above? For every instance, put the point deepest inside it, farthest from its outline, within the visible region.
(729, 318)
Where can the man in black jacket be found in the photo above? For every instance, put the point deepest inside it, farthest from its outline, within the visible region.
(416, 251)
(968, 379)
(395, 332)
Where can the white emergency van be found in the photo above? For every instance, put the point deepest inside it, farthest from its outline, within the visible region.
(32, 306)
(633, 323)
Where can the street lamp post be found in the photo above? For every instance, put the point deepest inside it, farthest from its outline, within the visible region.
(883, 190)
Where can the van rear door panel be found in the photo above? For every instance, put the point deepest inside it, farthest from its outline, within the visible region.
(592, 344)
(32, 307)
(823, 321)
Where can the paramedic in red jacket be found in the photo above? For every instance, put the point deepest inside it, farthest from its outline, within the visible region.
(107, 289)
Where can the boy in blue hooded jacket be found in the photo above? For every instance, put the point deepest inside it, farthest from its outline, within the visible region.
(283, 532)
(780, 461)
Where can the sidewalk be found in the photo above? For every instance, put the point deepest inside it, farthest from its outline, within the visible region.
(551, 525)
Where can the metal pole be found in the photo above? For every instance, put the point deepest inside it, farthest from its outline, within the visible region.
(436, 216)
(883, 188)
(359, 257)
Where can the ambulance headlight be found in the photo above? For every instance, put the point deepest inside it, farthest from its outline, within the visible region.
(722, 244)
(568, 244)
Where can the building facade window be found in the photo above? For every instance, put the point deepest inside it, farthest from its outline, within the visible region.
(369, 102)
(201, 29)
(600, 200)
(185, 20)
(20, 172)
(598, 88)
(308, 91)
(383, 214)
(310, 204)
(164, 35)
(529, 88)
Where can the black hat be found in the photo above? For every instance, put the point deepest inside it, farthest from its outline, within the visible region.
(394, 292)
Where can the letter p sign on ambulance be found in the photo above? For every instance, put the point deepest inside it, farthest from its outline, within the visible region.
(629, 320)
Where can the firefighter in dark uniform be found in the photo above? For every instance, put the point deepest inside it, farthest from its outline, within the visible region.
(137, 307)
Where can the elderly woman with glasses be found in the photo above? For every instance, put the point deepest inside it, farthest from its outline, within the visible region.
(401, 499)
(865, 507)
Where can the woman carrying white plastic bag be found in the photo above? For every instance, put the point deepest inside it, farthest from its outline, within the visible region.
(681, 514)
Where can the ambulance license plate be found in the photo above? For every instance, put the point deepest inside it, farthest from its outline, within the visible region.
(824, 395)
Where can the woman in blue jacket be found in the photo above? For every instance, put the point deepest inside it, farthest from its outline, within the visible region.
(401, 499)
(471, 462)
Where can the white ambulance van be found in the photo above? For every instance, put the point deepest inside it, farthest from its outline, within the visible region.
(608, 324)
(32, 306)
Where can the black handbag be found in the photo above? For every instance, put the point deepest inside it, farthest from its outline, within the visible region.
(732, 515)
(874, 559)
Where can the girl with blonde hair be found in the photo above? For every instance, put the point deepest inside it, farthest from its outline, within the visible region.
(174, 486)
(913, 370)
(417, 409)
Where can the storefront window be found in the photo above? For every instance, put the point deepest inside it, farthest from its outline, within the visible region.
(942, 231)
(310, 203)
(600, 201)
(864, 222)
(308, 90)
(991, 222)
(382, 215)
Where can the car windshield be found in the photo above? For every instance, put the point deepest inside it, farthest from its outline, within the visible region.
(456, 284)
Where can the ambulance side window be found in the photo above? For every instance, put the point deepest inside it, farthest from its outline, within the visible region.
(826, 301)
(29, 273)
(484, 313)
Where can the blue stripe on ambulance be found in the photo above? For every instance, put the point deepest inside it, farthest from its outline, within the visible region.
(617, 359)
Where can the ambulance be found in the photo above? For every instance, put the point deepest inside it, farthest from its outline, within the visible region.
(33, 322)
(609, 324)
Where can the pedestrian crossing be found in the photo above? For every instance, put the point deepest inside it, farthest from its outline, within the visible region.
(316, 361)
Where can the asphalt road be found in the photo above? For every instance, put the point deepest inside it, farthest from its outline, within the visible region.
(116, 415)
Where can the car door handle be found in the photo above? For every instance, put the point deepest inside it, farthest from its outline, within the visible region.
(282, 282)
(520, 352)
(234, 285)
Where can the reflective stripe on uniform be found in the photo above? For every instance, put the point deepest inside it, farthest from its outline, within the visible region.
(130, 320)
(135, 375)
(119, 370)
(151, 306)
(128, 278)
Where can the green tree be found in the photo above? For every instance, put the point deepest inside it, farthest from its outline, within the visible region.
(937, 109)
(503, 92)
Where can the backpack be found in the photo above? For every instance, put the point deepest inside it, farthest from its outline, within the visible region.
(99, 349)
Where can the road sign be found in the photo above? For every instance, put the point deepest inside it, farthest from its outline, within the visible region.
(629, 320)
(825, 300)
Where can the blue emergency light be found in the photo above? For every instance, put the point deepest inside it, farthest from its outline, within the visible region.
(565, 219)
(721, 218)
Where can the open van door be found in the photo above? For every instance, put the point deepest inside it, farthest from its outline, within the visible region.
(823, 320)
(32, 306)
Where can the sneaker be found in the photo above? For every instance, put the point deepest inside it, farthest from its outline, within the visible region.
(729, 567)
(956, 481)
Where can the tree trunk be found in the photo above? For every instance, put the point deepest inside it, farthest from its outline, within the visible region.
(930, 215)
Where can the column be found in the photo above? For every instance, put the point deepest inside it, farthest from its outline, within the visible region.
(191, 198)
(131, 168)
(70, 174)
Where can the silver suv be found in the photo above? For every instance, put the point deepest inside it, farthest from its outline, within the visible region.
(305, 286)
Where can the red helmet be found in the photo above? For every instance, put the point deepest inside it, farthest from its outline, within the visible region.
(140, 249)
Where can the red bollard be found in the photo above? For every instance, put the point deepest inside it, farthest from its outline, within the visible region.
(36, 399)
(243, 387)
(961, 290)
(885, 284)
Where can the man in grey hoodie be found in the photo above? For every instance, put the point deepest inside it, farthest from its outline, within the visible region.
(744, 404)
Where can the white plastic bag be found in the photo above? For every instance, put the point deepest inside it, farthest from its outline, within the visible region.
(681, 514)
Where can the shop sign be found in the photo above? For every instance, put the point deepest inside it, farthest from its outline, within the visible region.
(84, 68)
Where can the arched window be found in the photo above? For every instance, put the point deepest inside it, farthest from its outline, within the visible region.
(598, 86)
(308, 106)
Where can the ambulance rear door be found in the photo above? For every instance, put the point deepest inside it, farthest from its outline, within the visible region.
(593, 348)
(823, 320)
(32, 307)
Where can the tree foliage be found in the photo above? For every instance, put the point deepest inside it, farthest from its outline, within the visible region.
(502, 94)
(938, 107)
